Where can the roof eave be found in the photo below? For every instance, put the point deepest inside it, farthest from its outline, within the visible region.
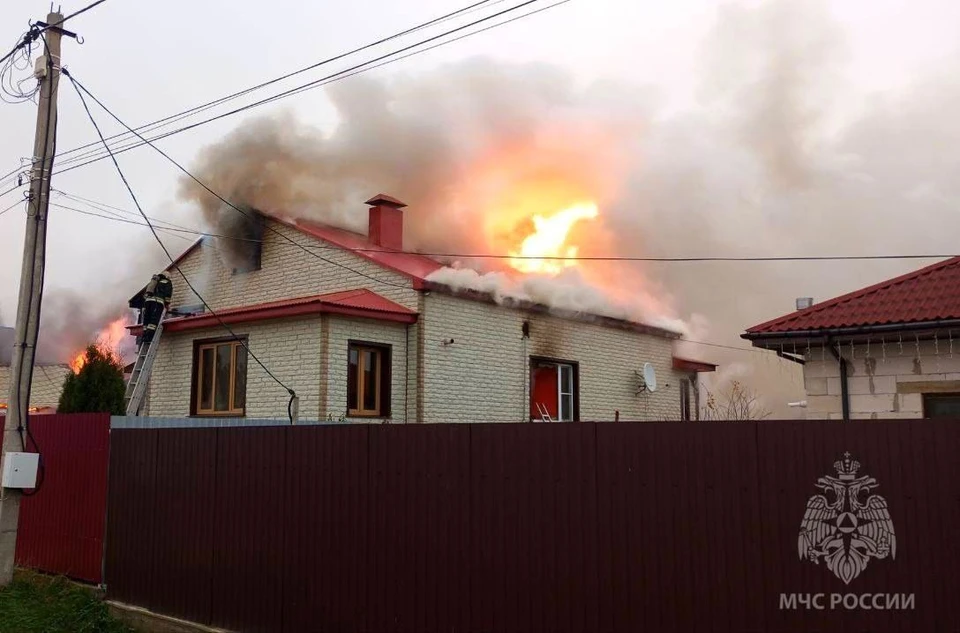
(203, 321)
(693, 366)
(762, 339)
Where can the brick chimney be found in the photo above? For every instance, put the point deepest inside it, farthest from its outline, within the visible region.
(386, 222)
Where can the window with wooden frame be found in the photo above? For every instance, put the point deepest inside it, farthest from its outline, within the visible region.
(554, 389)
(368, 380)
(219, 378)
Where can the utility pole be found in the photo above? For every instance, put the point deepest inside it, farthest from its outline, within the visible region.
(31, 286)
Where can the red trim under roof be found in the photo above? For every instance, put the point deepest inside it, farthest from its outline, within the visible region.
(922, 296)
(685, 364)
(356, 303)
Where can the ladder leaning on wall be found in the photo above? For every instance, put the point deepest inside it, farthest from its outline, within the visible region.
(140, 376)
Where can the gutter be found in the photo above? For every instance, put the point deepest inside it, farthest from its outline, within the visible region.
(844, 392)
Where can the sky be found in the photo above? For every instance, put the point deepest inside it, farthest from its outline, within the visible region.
(800, 129)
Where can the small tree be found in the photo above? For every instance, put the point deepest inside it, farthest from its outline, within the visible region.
(736, 403)
(97, 388)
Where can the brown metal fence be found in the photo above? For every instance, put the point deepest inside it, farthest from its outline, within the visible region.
(535, 527)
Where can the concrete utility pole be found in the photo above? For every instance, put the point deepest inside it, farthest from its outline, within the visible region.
(31, 286)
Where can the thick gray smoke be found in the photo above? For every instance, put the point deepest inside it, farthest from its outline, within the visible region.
(756, 169)
(71, 320)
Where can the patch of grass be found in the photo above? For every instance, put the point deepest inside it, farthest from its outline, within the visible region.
(34, 603)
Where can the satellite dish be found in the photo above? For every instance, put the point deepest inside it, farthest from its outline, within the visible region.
(649, 377)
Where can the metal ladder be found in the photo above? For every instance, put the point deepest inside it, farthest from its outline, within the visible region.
(140, 376)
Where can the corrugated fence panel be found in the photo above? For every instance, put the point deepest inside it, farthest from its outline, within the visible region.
(183, 523)
(677, 525)
(325, 559)
(249, 530)
(132, 517)
(524, 527)
(61, 526)
(533, 563)
(419, 514)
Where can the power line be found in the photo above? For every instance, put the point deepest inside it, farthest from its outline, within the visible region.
(146, 127)
(575, 258)
(31, 36)
(80, 87)
(74, 14)
(173, 262)
(12, 206)
(176, 233)
(74, 163)
(117, 218)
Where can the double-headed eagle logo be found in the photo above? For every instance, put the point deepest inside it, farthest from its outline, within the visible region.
(843, 529)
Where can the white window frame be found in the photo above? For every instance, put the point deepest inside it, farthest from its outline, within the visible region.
(561, 393)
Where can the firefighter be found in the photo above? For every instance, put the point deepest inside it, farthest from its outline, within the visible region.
(156, 299)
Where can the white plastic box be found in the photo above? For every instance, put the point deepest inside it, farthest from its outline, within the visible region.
(20, 470)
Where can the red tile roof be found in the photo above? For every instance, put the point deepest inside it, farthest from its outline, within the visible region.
(928, 294)
(359, 303)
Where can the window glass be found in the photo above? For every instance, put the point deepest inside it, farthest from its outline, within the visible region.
(221, 391)
(566, 407)
(371, 384)
(206, 378)
(941, 405)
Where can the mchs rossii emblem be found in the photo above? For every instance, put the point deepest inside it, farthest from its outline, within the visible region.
(845, 526)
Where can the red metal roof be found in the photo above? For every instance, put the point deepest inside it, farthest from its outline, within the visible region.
(415, 266)
(359, 303)
(698, 366)
(928, 294)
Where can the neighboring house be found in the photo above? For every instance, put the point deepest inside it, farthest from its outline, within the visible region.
(891, 350)
(44, 390)
(355, 327)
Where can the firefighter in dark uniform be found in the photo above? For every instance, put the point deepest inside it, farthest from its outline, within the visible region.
(156, 298)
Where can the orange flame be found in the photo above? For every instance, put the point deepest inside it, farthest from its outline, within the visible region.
(549, 240)
(108, 340)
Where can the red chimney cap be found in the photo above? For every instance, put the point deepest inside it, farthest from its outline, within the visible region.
(385, 200)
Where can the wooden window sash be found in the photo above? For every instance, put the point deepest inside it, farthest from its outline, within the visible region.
(358, 410)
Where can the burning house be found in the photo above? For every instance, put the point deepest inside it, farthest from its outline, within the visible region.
(363, 330)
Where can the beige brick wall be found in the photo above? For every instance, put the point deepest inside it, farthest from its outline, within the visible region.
(484, 374)
(341, 331)
(290, 348)
(876, 377)
(287, 272)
